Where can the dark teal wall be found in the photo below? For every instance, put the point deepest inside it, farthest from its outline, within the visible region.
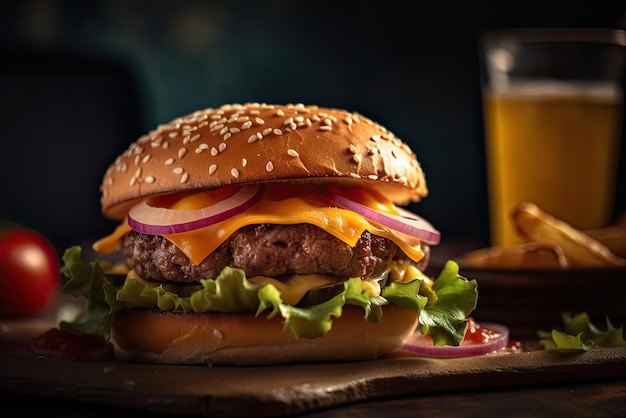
(91, 76)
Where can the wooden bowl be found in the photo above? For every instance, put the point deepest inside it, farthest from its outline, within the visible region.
(531, 300)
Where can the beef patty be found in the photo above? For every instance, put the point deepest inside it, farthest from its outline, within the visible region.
(264, 250)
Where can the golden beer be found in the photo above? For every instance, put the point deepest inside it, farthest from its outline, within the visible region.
(556, 146)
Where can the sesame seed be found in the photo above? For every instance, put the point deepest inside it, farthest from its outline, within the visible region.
(212, 169)
(327, 122)
(278, 131)
(235, 173)
(292, 152)
(184, 178)
(223, 130)
(186, 139)
(173, 134)
(178, 170)
(288, 121)
(353, 149)
(194, 138)
(280, 112)
(375, 138)
(221, 147)
(227, 136)
(252, 138)
(246, 125)
(234, 130)
(169, 161)
(357, 158)
(259, 135)
(182, 152)
(244, 162)
(266, 132)
(269, 166)
(203, 124)
(214, 151)
(355, 175)
(326, 128)
(372, 177)
(259, 121)
(149, 179)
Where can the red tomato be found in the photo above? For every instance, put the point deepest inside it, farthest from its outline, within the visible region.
(29, 271)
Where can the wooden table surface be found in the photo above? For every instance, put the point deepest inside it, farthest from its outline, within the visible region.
(533, 384)
(596, 398)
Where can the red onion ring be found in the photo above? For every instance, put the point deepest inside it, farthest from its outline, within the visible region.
(407, 222)
(497, 340)
(153, 220)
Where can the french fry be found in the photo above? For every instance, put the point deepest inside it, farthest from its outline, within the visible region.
(613, 237)
(581, 249)
(530, 255)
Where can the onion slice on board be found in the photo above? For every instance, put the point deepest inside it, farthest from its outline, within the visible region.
(153, 220)
(485, 338)
(407, 222)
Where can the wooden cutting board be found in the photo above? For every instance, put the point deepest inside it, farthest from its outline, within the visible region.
(279, 390)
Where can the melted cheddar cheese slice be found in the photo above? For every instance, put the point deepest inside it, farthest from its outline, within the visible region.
(279, 205)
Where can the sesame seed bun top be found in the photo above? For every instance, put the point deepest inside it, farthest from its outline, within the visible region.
(260, 142)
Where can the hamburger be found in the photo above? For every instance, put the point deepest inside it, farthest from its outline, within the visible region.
(261, 234)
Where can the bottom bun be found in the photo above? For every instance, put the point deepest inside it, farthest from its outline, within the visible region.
(224, 339)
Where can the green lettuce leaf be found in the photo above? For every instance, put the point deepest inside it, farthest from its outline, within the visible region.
(446, 321)
(442, 308)
(89, 281)
(580, 334)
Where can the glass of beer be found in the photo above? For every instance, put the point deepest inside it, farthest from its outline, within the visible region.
(553, 110)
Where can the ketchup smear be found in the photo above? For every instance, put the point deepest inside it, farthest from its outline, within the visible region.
(71, 345)
(476, 334)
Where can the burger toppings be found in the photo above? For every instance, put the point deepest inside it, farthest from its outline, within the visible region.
(442, 307)
(281, 204)
(263, 250)
(402, 220)
(152, 216)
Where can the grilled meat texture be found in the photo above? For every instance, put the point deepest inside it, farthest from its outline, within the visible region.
(264, 250)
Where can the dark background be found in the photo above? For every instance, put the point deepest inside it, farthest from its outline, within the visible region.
(80, 80)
